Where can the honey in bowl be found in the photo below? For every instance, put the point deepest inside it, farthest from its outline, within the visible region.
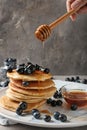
(75, 94)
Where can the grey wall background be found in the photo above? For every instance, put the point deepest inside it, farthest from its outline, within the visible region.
(65, 52)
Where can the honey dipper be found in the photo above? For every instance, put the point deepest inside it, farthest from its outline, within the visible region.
(44, 31)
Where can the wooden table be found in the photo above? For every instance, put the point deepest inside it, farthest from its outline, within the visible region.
(26, 127)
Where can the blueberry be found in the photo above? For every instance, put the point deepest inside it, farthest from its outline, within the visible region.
(19, 111)
(10, 62)
(36, 114)
(25, 83)
(29, 63)
(77, 78)
(67, 79)
(49, 101)
(37, 67)
(31, 67)
(34, 110)
(59, 102)
(72, 79)
(59, 94)
(5, 83)
(46, 70)
(20, 69)
(47, 118)
(23, 105)
(63, 118)
(9, 69)
(22, 65)
(56, 115)
(27, 71)
(84, 81)
(73, 107)
(56, 94)
(53, 103)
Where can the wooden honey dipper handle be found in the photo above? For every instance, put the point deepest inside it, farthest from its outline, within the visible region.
(65, 16)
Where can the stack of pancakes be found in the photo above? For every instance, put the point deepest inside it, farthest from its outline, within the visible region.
(40, 88)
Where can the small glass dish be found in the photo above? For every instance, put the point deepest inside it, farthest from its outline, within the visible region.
(75, 93)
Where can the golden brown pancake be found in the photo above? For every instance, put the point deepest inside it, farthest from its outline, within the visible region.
(33, 92)
(15, 94)
(36, 76)
(12, 105)
(33, 100)
(33, 84)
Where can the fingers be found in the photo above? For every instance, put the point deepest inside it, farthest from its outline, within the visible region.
(72, 4)
(68, 5)
(82, 10)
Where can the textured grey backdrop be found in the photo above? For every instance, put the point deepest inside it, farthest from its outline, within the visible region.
(65, 52)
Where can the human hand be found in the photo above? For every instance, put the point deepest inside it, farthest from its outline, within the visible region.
(72, 4)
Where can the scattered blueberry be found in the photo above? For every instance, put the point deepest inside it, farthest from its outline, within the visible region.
(36, 114)
(60, 94)
(47, 118)
(67, 79)
(59, 102)
(72, 79)
(34, 110)
(73, 107)
(10, 62)
(56, 94)
(49, 101)
(19, 111)
(23, 105)
(5, 83)
(56, 115)
(53, 103)
(25, 83)
(63, 118)
(84, 81)
(77, 78)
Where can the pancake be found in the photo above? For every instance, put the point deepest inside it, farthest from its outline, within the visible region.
(12, 105)
(11, 93)
(33, 100)
(36, 76)
(24, 96)
(33, 92)
(33, 84)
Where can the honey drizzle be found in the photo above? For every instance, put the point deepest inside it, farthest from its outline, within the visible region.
(43, 43)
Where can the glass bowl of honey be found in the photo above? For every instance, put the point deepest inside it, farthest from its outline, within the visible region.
(75, 93)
